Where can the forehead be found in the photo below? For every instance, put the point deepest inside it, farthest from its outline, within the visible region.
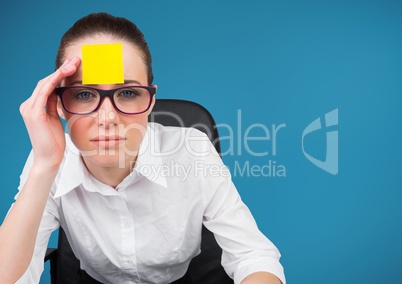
(134, 66)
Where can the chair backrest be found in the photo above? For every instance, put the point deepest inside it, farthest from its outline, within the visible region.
(205, 268)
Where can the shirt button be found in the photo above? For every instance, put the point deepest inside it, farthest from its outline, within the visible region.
(127, 224)
(130, 262)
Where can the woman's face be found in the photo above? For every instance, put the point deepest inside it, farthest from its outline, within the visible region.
(108, 138)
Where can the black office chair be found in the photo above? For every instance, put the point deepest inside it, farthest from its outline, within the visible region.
(205, 268)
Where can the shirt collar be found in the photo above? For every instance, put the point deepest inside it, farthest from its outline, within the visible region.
(149, 162)
(72, 171)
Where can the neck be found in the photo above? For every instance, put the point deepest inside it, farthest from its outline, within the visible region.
(110, 175)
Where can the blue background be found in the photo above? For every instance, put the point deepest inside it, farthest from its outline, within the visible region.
(278, 62)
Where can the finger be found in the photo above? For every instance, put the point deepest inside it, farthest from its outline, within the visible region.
(42, 81)
(51, 106)
(48, 84)
(35, 105)
(29, 103)
(51, 82)
(70, 67)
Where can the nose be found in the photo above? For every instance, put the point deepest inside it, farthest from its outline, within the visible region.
(107, 114)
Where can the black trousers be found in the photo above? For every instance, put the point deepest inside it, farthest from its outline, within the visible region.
(87, 279)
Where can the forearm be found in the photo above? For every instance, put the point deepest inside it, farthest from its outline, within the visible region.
(261, 278)
(19, 229)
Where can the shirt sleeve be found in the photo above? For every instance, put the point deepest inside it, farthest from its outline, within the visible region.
(48, 224)
(245, 249)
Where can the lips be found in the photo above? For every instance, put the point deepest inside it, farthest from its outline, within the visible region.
(108, 141)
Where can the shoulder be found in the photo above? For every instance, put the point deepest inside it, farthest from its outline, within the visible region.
(173, 139)
(163, 130)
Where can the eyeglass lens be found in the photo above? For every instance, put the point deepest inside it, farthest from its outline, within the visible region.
(127, 100)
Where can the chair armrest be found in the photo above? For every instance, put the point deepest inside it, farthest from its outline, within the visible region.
(51, 254)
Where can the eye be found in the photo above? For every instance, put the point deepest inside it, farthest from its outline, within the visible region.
(84, 95)
(128, 94)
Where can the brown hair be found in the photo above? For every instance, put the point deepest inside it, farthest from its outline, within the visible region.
(104, 23)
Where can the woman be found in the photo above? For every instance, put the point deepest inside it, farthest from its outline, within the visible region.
(125, 224)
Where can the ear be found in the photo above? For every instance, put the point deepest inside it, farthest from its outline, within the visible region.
(60, 110)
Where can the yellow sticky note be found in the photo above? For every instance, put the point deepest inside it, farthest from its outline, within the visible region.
(102, 64)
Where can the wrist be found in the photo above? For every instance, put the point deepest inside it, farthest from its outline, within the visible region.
(40, 179)
(45, 168)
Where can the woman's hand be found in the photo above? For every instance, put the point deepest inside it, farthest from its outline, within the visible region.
(42, 120)
(20, 227)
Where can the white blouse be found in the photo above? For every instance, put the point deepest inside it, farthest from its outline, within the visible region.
(148, 229)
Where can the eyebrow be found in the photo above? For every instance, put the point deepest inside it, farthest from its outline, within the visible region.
(125, 83)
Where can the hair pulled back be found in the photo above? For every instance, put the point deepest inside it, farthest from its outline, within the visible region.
(104, 23)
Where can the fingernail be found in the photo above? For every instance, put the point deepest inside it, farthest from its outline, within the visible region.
(68, 67)
(65, 62)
